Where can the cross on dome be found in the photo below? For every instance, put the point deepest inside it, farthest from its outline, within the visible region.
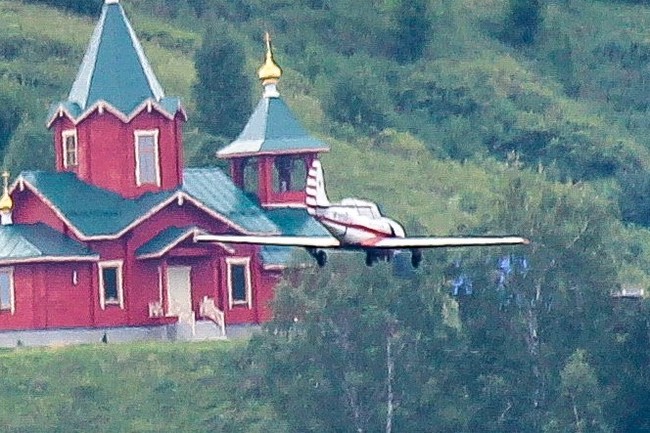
(269, 73)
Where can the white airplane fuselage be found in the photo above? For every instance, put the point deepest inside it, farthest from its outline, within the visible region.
(357, 223)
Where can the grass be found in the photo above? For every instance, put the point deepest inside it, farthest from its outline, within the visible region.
(152, 387)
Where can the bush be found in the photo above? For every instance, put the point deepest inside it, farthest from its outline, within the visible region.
(85, 7)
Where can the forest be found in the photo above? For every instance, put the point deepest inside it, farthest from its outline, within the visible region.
(528, 117)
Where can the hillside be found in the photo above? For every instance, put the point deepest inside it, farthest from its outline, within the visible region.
(517, 116)
(468, 98)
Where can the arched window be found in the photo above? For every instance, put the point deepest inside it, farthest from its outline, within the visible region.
(251, 176)
(289, 174)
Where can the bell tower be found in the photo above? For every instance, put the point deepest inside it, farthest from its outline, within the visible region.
(117, 129)
(272, 155)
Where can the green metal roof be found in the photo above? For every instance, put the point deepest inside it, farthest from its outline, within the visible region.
(36, 242)
(296, 222)
(106, 213)
(164, 240)
(272, 128)
(114, 70)
(214, 189)
(292, 222)
(93, 211)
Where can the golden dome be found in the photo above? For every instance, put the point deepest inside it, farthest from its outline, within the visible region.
(6, 204)
(269, 72)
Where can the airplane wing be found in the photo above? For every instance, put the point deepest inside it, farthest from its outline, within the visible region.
(440, 242)
(285, 241)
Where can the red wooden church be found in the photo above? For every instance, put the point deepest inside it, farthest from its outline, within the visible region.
(104, 246)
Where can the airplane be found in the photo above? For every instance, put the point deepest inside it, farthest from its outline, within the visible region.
(356, 225)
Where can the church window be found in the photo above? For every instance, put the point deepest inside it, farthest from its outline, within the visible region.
(251, 176)
(7, 301)
(70, 149)
(147, 164)
(110, 284)
(239, 282)
(289, 174)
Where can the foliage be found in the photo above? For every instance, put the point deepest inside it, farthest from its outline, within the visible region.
(361, 349)
(581, 398)
(412, 27)
(86, 7)
(222, 90)
(30, 148)
(357, 97)
(130, 387)
(523, 21)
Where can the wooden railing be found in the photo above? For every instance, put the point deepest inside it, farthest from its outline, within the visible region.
(156, 309)
(209, 310)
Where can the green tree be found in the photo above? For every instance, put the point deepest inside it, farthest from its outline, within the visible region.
(533, 307)
(411, 29)
(358, 350)
(223, 89)
(523, 21)
(30, 148)
(358, 97)
(581, 402)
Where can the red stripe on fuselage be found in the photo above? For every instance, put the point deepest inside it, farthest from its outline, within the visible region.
(357, 226)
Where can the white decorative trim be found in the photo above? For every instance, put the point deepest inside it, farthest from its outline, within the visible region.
(154, 84)
(255, 154)
(103, 302)
(64, 136)
(124, 118)
(75, 278)
(292, 205)
(81, 86)
(47, 259)
(137, 134)
(246, 261)
(12, 290)
(160, 284)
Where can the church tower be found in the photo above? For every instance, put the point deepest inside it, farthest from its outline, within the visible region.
(271, 157)
(117, 130)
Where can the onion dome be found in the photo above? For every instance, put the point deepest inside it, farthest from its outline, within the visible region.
(269, 72)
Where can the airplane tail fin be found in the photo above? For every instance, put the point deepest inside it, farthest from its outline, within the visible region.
(315, 190)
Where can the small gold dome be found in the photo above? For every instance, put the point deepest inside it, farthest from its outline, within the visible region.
(6, 204)
(269, 72)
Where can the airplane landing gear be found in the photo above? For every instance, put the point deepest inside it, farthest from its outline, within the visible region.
(319, 255)
(370, 259)
(416, 258)
(321, 258)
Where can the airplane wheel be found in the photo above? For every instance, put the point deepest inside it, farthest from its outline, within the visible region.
(321, 258)
(416, 258)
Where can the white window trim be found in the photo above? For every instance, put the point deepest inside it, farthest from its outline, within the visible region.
(143, 133)
(160, 284)
(246, 261)
(64, 135)
(12, 289)
(119, 264)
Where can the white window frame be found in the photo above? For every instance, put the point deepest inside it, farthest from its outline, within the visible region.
(64, 136)
(103, 302)
(246, 261)
(146, 133)
(12, 291)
